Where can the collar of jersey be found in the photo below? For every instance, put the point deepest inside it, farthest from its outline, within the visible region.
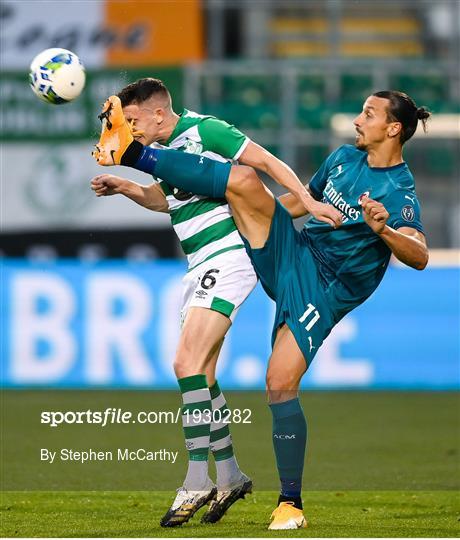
(386, 169)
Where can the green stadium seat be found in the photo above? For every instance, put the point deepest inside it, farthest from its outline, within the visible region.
(356, 88)
(252, 90)
(436, 159)
(429, 90)
(312, 111)
(441, 161)
(266, 116)
(310, 158)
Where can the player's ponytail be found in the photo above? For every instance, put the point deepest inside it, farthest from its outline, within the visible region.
(423, 114)
(403, 109)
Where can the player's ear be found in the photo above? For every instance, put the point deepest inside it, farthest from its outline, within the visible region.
(394, 129)
(159, 115)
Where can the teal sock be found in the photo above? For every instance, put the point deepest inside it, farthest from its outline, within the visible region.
(188, 172)
(289, 442)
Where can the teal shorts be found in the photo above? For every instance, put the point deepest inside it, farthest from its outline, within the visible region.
(289, 274)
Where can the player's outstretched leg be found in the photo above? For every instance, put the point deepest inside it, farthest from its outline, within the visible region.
(189, 172)
(252, 203)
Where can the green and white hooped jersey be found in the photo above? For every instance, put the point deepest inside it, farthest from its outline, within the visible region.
(205, 226)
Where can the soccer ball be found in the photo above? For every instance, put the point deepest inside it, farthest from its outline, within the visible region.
(57, 76)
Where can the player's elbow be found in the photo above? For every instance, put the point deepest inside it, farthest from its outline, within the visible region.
(420, 262)
(423, 261)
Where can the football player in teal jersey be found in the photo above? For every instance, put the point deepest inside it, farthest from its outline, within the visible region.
(321, 273)
(219, 278)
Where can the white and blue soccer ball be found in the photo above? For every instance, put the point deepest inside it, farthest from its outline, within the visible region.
(57, 76)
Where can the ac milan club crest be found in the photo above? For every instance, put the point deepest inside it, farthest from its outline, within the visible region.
(361, 197)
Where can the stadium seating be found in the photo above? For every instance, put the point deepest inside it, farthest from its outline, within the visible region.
(349, 31)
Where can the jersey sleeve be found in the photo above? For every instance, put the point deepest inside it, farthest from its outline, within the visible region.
(319, 179)
(404, 210)
(157, 146)
(223, 138)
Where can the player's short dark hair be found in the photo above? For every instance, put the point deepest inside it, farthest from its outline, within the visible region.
(403, 109)
(142, 90)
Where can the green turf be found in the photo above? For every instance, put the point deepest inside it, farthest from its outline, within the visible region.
(378, 464)
(136, 514)
(356, 441)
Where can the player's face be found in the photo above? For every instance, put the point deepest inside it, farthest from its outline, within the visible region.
(372, 126)
(146, 120)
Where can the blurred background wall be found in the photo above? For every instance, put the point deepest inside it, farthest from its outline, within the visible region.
(292, 75)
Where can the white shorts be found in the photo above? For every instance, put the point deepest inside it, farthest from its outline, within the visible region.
(222, 284)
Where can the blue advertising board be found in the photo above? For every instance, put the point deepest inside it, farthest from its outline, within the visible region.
(116, 324)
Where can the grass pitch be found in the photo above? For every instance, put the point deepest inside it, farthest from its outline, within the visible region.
(378, 464)
(137, 514)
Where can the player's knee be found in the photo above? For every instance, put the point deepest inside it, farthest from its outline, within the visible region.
(281, 382)
(185, 362)
(242, 180)
(281, 386)
(192, 358)
(186, 366)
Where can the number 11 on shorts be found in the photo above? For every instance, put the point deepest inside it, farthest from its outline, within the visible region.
(311, 310)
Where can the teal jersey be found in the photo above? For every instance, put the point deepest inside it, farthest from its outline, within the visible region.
(352, 259)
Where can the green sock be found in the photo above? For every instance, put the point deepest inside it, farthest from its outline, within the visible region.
(196, 421)
(228, 471)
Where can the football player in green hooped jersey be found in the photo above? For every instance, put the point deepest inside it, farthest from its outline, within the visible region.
(219, 279)
(317, 275)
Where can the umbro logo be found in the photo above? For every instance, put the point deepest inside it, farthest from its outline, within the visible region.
(201, 294)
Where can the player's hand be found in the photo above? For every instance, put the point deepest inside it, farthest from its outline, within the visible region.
(324, 212)
(107, 184)
(374, 214)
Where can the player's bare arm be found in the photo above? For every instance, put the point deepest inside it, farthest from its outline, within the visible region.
(150, 197)
(293, 205)
(406, 243)
(257, 157)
